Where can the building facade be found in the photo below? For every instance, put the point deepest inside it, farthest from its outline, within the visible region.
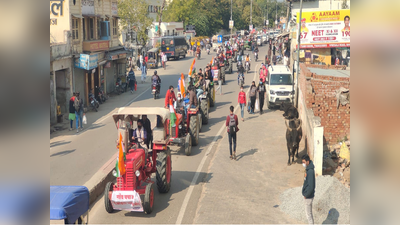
(85, 50)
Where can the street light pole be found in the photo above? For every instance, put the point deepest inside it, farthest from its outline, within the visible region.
(232, 26)
(251, 11)
(298, 55)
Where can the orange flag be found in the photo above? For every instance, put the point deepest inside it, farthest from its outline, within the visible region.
(121, 162)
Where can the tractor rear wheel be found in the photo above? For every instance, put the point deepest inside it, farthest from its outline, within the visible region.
(107, 202)
(164, 168)
(204, 111)
(212, 96)
(194, 130)
(148, 199)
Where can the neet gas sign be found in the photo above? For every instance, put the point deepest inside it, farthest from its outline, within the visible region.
(325, 29)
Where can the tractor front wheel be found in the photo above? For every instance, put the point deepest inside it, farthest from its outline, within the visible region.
(164, 168)
(194, 130)
(107, 202)
(188, 145)
(148, 199)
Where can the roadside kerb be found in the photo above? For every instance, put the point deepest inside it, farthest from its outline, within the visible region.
(98, 181)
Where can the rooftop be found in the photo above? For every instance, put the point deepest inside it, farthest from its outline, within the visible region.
(330, 72)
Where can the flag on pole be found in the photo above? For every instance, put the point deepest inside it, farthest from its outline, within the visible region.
(192, 69)
(173, 116)
(120, 165)
(182, 85)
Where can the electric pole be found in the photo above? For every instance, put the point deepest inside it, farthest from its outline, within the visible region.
(276, 14)
(232, 26)
(298, 55)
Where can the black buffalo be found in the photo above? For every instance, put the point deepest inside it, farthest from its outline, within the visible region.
(293, 137)
(290, 112)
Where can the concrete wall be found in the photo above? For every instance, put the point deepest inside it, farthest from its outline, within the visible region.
(311, 125)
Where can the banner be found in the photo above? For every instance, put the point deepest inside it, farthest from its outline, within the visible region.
(325, 29)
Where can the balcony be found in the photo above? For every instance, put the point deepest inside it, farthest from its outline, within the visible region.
(96, 45)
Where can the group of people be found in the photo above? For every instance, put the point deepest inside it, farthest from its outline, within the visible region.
(76, 111)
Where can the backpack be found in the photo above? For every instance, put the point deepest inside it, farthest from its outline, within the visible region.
(77, 105)
(262, 88)
(232, 124)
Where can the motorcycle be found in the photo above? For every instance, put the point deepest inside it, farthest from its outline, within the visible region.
(256, 56)
(155, 91)
(247, 66)
(119, 86)
(100, 96)
(239, 63)
(93, 102)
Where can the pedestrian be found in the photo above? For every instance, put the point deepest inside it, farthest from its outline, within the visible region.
(164, 60)
(261, 94)
(308, 190)
(274, 59)
(144, 72)
(169, 97)
(78, 105)
(146, 58)
(253, 91)
(337, 61)
(71, 116)
(274, 49)
(242, 102)
(140, 60)
(232, 128)
(131, 79)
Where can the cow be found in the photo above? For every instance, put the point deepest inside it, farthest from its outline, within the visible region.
(290, 112)
(293, 137)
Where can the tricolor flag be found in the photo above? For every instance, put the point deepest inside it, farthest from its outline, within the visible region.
(192, 69)
(120, 165)
(182, 85)
(173, 117)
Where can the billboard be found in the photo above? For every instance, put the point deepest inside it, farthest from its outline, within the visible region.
(86, 62)
(325, 29)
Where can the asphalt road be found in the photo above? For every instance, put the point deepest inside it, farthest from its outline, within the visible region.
(74, 158)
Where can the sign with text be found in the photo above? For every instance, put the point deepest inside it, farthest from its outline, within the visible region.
(126, 200)
(93, 46)
(86, 62)
(114, 8)
(56, 8)
(87, 7)
(325, 29)
(230, 24)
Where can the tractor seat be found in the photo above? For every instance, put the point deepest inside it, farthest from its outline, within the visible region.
(159, 134)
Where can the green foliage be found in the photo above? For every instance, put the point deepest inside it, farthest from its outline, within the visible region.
(134, 13)
(210, 16)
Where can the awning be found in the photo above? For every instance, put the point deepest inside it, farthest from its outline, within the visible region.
(91, 15)
(115, 55)
(102, 62)
(77, 16)
(115, 16)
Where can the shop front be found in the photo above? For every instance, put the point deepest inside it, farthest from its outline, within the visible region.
(87, 75)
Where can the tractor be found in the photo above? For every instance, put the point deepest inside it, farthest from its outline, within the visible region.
(134, 189)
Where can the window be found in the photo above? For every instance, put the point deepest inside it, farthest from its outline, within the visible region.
(75, 29)
(99, 20)
(115, 26)
(281, 79)
(84, 28)
(91, 28)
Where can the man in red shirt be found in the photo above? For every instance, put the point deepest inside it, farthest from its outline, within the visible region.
(170, 95)
(242, 102)
(232, 128)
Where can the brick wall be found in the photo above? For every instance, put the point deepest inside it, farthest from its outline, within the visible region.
(320, 97)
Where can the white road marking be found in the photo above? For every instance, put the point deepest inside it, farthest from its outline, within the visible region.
(196, 176)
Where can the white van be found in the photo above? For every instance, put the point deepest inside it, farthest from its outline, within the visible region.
(279, 85)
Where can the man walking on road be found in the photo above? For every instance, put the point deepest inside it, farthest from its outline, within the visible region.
(261, 93)
(242, 102)
(308, 187)
(232, 128)
(253, 90)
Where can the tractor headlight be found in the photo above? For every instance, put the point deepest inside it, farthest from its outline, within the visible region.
(180, 126)
(114, 173)
(272, 92)
(137, 173)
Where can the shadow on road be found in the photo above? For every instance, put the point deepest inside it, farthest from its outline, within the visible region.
(332, 217)
(62, 153)
(181, 181)
(58, 143)
(246, 153)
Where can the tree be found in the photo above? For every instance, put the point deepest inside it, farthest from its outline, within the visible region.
(135, 13)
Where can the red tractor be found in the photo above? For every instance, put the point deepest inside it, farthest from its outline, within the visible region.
(140, 163)
(186, 133)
